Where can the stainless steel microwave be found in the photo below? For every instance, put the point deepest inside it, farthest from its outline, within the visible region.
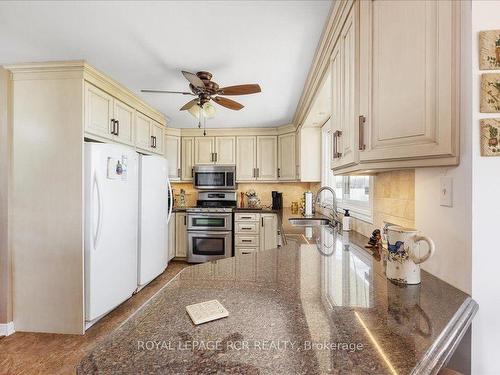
(214, 177)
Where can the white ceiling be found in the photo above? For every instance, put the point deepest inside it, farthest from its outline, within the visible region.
(146, 44)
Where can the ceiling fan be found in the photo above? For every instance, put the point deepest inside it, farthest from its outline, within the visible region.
(202, 86)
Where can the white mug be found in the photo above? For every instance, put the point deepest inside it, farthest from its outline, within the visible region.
(403, 257)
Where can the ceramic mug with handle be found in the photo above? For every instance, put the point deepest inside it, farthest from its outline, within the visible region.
(404, 258)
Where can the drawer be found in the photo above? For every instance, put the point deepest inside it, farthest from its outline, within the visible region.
(241, 216)
(243, 227)
(239, 251)
(246, 241)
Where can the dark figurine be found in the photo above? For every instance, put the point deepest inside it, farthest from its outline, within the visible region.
(375, 240)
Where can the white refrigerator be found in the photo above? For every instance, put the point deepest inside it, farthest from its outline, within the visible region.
(111, 222)
(154, 215)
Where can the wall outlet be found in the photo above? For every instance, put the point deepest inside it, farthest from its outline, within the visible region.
(446, 192)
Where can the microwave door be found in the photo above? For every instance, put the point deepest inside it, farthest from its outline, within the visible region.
(210, 180)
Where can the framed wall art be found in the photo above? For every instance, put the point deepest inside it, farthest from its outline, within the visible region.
(489, 50)
(490, 137)
(490, 93)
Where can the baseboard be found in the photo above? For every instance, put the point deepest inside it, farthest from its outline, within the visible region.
(7, 329)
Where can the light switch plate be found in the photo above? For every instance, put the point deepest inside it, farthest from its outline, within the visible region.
(446, 192)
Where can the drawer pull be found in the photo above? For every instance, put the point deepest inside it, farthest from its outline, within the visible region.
(246, 228)
(246, 240)
(246, 252)
(246, 217)
(361, 133)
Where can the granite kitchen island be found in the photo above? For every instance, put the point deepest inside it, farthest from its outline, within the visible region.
(321, 304)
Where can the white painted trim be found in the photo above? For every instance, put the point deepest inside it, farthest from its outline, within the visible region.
(7, 329)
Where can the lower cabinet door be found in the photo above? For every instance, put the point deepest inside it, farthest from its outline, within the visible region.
(171, 237)
(180, 234)
(245, 263)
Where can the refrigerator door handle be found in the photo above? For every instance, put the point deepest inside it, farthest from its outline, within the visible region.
(97, 235)
(171, 201)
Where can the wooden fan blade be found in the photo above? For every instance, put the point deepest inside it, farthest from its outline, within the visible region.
(189, 104)
(228, 103)
(194, 80)
(239, 90)
(168, 92)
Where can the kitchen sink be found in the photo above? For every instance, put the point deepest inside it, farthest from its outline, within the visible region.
(308, 221)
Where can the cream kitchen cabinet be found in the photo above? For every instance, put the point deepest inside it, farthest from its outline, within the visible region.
(149, 134)
(204, 150)
(410, 53)
(395, 99)
(173, 155)
(187, 158)
(286, 157)
(267, 158)
(171, 237)
(181, 240)
(246, 158)
(268, 231)
(215, 150)
(344, 76)
(225, 150)
(257, 158)
(108, 117)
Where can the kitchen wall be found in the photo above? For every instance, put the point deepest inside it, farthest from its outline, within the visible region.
(5, 258)
(292, 191)
(485, 208)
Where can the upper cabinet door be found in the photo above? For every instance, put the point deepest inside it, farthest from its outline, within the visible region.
(246, 158)
(173, 155)
(143, 125)
(344, 69)
(411, 50)
(157, 135)
(204, 150)
(267, 158)
(187, 158)
(98, 111)
(286, 157)
(124, 122)
(225, 152)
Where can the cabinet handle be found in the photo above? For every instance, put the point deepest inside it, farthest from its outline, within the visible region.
(258, 172)
(336, 136)
(246, 240)
(246, 228)
(117, 127)
(246, 252)
(262, 221)
(279, 170)
(361, 133)
(192, 172)
(152, 142)
(246, 217)
(185, 220)
(179, 172)
(113, 126)
(254, 172)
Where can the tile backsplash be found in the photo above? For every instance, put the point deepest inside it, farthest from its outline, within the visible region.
(393, 198)
(292, 191)
(393, 201)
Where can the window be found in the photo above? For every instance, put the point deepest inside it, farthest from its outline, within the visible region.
(354, 193)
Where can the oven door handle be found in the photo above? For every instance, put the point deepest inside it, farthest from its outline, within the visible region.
(207, 233)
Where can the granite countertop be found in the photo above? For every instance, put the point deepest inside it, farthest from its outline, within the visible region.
(319, 305)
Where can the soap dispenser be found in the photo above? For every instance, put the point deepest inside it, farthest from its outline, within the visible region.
(346, 221)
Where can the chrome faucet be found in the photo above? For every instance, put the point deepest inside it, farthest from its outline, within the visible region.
(334, 214)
